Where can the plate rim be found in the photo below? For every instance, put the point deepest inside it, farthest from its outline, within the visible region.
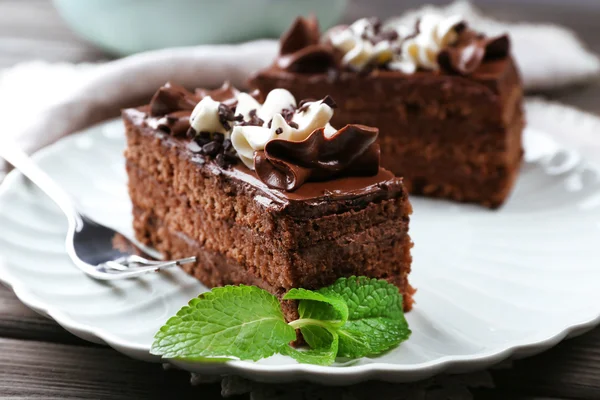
(340, 375)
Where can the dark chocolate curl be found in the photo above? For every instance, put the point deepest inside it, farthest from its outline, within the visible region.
(351, 151)
(300, 50)
(279, 174)
(170, 98)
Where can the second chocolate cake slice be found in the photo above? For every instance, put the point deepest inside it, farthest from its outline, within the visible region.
(447, 99)
(264, 194)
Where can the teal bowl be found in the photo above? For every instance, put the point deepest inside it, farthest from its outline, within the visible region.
(130, 26)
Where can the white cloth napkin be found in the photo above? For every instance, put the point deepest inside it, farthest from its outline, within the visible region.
(42, 102)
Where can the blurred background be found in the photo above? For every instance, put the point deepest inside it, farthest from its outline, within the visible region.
(34, 28)
(99, 30)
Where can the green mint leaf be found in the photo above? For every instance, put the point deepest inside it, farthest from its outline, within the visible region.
(320, 316)
(376, 320)
(324, 355)
(232, 321)
(318, 306)
(317, 336)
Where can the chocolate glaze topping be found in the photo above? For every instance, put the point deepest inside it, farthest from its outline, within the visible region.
(301, 51)
(351, 151)
(348, 153)
(352, 191)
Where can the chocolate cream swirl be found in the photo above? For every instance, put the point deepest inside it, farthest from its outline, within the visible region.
(470, 50)
(301, 49)
(368, 44)
(351, 151)
(172, 105)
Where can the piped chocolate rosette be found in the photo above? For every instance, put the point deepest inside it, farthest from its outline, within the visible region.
(286, 143)
(434, 43)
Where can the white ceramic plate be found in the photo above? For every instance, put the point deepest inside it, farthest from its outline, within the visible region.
(491, 284)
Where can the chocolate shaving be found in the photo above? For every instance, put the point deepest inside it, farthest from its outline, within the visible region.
(351, 151)
(227, 145)
(226, 115)
(254, 120)
(219, 137)
(203, 138)
(211, 148)
(170, 98)
(288, 114)
(293, 124)
(214, 146)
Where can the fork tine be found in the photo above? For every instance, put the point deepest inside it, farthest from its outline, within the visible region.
(114, 270)
(143, 261)
(139, 262)
(109, 274)
(114, 265)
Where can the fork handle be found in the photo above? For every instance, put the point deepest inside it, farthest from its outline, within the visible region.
(12, 153)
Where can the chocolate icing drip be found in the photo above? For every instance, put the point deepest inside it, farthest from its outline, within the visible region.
(300, 50)
(170, 98)
(470, 51)
(226, 94)
(351, 151)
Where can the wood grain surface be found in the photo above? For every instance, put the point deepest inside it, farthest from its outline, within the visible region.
(39, 359)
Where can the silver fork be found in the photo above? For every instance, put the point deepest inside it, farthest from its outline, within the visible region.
(89, 244)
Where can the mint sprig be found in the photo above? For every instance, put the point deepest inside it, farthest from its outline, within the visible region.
(352, 318)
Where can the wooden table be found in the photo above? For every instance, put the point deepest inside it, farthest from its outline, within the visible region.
(40, 359)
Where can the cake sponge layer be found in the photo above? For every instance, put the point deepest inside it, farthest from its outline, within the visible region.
(381, 250)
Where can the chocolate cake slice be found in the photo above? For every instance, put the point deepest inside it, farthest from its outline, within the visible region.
(264, 194)
(447, 100)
